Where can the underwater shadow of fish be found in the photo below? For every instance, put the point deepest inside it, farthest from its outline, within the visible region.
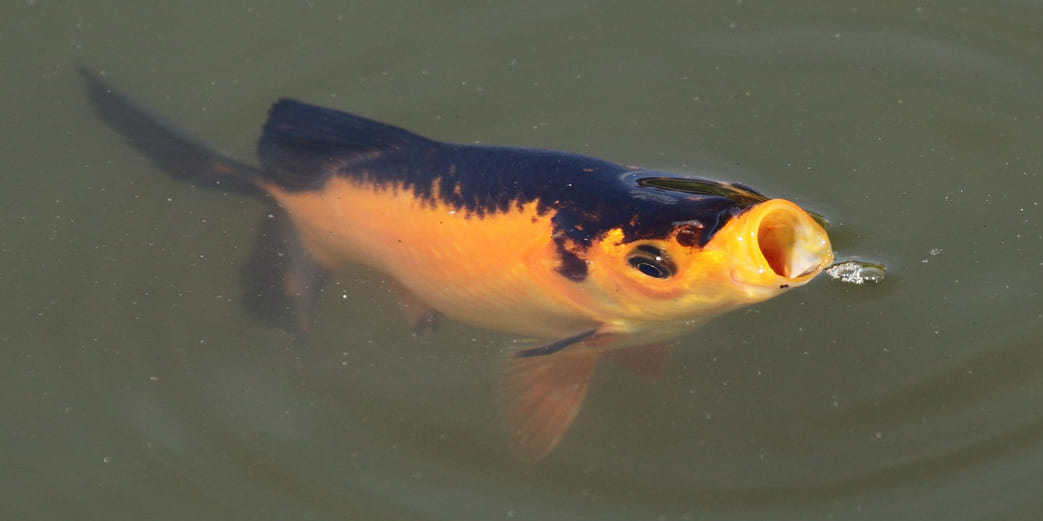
(611, 261)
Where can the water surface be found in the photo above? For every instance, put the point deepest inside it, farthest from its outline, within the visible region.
(135, 387)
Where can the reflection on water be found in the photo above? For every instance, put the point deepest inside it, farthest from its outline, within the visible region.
(136, 387)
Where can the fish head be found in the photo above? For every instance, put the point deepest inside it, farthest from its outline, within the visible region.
(713, 253)
(771, 247)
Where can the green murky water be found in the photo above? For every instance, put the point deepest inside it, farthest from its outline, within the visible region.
(135, 387)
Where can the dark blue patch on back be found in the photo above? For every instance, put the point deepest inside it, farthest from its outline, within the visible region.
(304, 145)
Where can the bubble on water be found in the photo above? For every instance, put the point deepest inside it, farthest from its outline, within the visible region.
(857, 272)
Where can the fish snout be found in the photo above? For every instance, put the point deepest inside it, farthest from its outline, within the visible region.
(784, 245)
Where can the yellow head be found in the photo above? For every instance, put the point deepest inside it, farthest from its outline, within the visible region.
(650, 283)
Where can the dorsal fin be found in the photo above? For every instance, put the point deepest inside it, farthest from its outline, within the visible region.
(303, 144)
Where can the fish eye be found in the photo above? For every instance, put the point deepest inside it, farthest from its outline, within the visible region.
(651, 261)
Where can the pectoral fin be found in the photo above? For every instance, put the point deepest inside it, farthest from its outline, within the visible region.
(555, 346)
(541, 396)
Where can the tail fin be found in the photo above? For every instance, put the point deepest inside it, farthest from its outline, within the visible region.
(280, 280)
(169, 147)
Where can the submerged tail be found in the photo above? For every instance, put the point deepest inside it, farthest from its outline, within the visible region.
(280, 280)
(172, 149)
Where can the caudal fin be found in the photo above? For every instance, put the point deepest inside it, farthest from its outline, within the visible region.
(280, 281)
(169, 147)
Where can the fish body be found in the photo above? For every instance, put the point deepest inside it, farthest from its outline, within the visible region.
(595, 258)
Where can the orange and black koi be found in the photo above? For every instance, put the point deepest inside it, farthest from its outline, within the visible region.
(598, 259)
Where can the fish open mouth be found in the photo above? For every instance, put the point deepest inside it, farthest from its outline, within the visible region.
(789, 240)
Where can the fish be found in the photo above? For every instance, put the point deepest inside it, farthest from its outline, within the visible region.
(588, 258)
